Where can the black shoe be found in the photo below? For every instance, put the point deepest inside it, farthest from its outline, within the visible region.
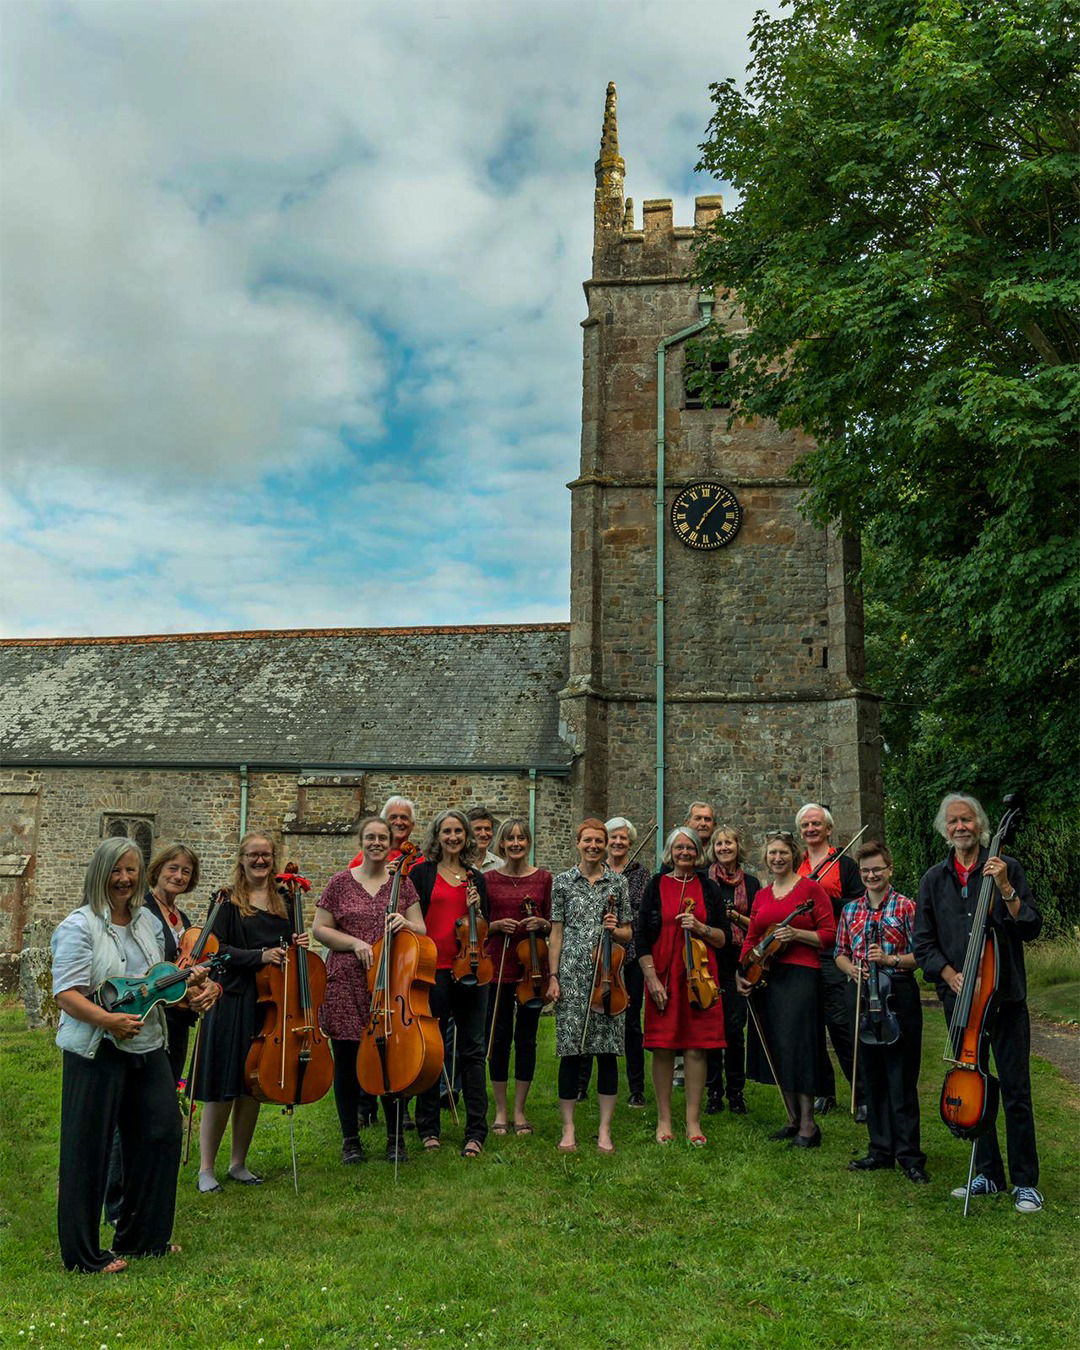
(870, 1163)
(807, 1140)
(860, 1115)
(737, 1105)
(365, 1120)
(352, 1151)
(408, 1123)
(714, 1105)
(823, 1105)
(785, 1132)
(395, 1151)
(918, 1175)
(636, 1100)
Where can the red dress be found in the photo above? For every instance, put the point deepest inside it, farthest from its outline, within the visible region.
(679, 1026)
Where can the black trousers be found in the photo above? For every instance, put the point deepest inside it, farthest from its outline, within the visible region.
(350, 1098)
(1010, 1041)
(839, 1022)
(729, 1064)
(135, 1095)
(515, 1025)
(889, 1077)
(467, 1004)
(570, 1070)
(635, 1037)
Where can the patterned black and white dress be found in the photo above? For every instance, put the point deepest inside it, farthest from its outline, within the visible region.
(579, 907)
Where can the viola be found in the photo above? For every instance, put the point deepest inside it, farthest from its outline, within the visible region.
(757, 960)
(532, 953)
(969, 1095)
(609, 994)
(701, 988)
(290, 1061)
(472, 965)
(878, 1024)
(164, 982)
(401, 1050)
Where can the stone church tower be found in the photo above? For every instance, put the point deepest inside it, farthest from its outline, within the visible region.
(710, 599)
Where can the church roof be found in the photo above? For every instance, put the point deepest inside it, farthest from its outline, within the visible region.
(355, 697)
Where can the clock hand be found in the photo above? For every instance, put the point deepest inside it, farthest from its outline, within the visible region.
(705, 517)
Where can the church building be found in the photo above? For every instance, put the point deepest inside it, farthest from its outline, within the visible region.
(714, 651)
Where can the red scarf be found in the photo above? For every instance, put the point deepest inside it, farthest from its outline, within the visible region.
(735, 879)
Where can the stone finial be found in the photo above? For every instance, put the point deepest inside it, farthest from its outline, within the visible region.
(608, 208)
(628, 214)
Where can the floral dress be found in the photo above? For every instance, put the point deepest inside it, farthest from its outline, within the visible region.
(579, 907)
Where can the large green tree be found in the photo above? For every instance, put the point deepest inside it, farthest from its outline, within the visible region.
(906, 253)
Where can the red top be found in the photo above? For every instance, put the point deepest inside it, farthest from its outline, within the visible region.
(768, 910)
(831, 882)
(448, 904)
(506, 900)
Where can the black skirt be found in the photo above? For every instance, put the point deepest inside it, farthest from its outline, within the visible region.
(225, 1040)
(787, 1009)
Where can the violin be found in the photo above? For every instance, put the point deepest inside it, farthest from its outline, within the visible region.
(290, 1061)
(163, 983)
(969, 1095)
(195, 943)
(701, 988)
(609, 994)
(757, 960)
(532, 953)
(401, 1050)
(472, 965)
(878, 1024)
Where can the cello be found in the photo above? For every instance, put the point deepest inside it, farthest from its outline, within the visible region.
(290, 1061)
(401, 1050)
(969, 1095)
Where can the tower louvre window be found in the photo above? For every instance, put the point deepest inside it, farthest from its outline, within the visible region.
(692, 371)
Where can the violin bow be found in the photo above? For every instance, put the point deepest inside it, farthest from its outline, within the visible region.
(633, 856)
(596, 969)
(498, 991)
(827, 864)
(855, 1052)
(765, 1046)
(216, 901)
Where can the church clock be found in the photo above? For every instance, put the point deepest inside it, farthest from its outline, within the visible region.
(706, 515)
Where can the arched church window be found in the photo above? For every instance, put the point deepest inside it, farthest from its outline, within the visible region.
(138, 828)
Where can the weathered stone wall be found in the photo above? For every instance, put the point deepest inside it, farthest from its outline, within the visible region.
(55, 817)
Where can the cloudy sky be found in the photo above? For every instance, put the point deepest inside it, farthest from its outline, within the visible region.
(291, 295)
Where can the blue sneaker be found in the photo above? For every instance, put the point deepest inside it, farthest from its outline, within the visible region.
(980, 1185)
(1028, 1200)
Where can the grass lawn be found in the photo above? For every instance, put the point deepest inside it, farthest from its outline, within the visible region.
(1053, 969)
(743, 1243)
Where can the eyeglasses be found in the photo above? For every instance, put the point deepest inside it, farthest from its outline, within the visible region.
(779, 834)
(254, 857)
(872, 871)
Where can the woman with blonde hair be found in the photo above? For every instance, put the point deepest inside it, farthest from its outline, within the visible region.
(737, 887)
(254, 930)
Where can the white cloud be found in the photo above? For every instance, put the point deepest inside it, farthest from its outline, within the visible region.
(239, 239)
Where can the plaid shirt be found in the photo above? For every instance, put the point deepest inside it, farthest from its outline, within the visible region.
(896, 917)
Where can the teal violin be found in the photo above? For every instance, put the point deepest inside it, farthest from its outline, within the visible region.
(163, 983)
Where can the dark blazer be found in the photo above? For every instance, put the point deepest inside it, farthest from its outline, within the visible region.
(647, 928)
(729, 954)
(423, 877)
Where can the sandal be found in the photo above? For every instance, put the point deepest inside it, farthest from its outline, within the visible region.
(568, 1148)
(500, 1127)
(698, 1140)
(522, 1127)
(605, 1148)
(115, 1266)
(664, 1138)
(432, 1143)
(472, 1148)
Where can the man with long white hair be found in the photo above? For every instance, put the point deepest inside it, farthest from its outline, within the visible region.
(948, 895)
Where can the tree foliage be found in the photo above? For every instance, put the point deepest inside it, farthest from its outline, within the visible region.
(906, 254)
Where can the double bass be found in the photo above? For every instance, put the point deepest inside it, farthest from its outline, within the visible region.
(401, 1050)
(969, 1095)
(290, 1061)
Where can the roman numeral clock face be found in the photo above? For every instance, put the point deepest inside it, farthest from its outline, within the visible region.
(706, 516)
